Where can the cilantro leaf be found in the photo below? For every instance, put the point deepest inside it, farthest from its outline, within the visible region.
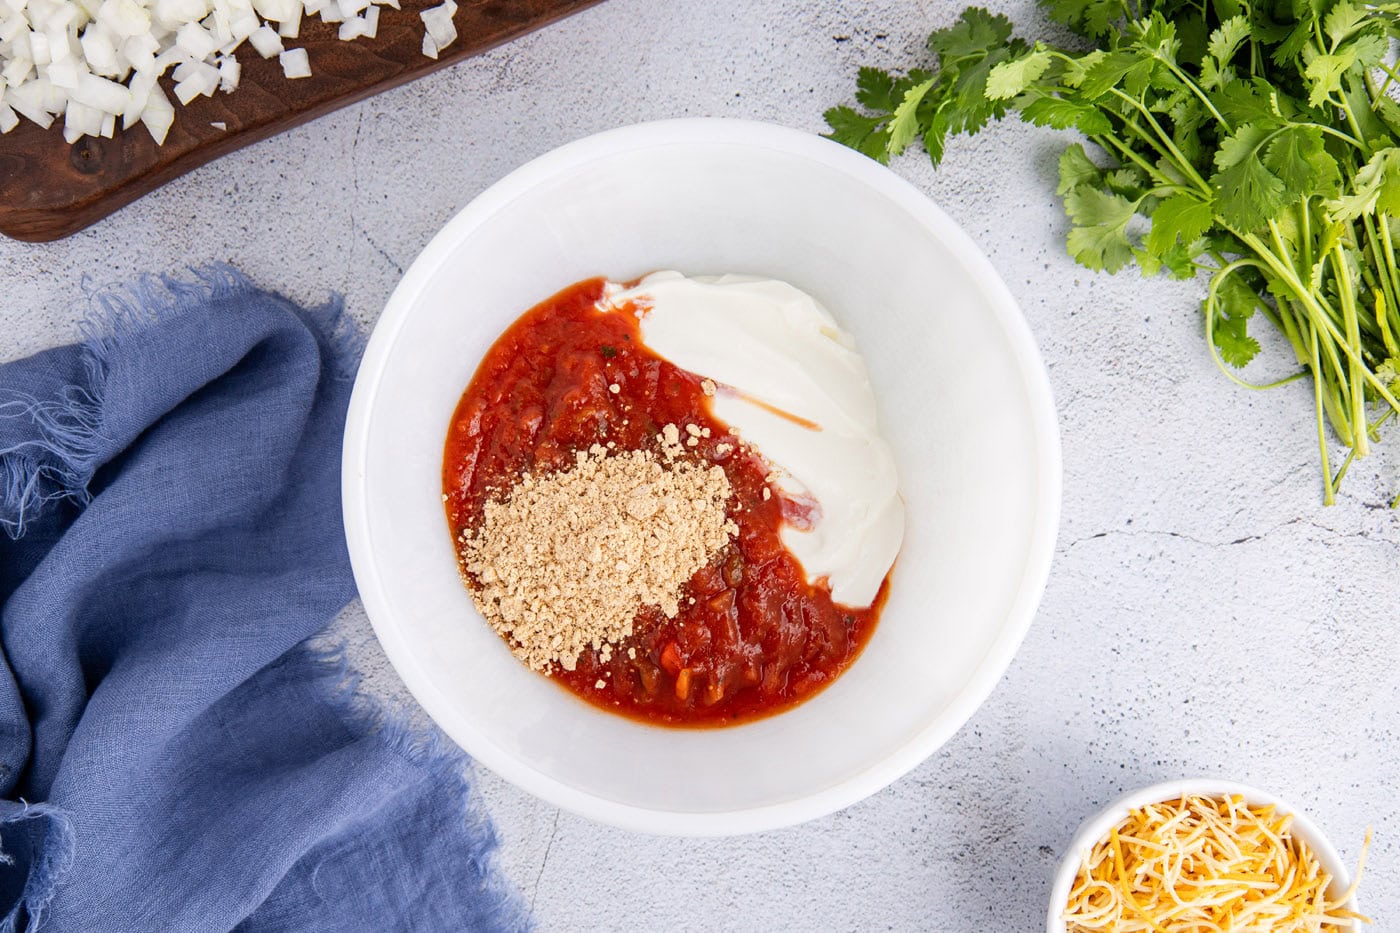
(904, 126)
(1343, 20)
(876, 90)
(935, 137)
(1297, 156)
(1235, 305)
(1240, 145)
(1090, 18)
(1066, 113)
(1231, 338)
(1291, 49)
(1010, 78)
(1388, 110)
(1099, 237)
(1224, 42)
(1227, 38)
(1181, 217)
(975, 33)
(1370, 48)
(1324, 73)
(1254, 101)
(1108, 72)
(1156, 37)
(1376, 187)
(1077, 170)
(859, 132)
(1248, 195)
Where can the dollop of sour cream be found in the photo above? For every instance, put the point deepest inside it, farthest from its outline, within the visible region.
(794, 388)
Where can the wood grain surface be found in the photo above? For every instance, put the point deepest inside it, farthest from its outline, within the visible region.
(50, 189)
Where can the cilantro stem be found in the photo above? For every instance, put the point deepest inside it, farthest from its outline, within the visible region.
(1387, 335)
(1329, 490)
(1304, 223)
(1316, 310)
(1213, 312)
(1127, 152)
(1360, 444)
(1166, 140)
(1388, 252)
(1355, 126)
(1390, 76)
(1332, 131)
(1195, 89)
(1352, 455)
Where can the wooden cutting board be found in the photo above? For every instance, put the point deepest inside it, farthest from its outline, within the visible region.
(50, 189)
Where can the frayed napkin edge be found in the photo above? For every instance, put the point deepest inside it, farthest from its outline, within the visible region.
(60, 465)
(49, 868)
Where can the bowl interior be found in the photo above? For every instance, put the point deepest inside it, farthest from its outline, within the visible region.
(1098, 826)
(963, 400)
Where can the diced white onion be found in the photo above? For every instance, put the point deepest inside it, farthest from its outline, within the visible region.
(100, 94)
(28, 101)
(438, 22)
(11, 26)
(16, 72)
(65, 74)
(140, 89)
(266, 41)
(39, 48)
(94, 62)
(229, 73)
(295, 63)
(124, 18)
(195, 41)
(158, 115)
(290, 27)
(81, 119)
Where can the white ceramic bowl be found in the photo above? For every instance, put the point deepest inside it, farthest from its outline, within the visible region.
(963, 398)
(1097, 827)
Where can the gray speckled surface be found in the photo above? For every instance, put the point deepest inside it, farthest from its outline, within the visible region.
(1205, 615)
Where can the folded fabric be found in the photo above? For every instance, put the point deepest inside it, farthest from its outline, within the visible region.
(173, 753)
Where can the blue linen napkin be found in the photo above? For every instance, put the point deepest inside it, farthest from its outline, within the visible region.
(174, 755)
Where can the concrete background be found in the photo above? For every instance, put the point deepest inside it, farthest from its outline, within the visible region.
(1205, 614)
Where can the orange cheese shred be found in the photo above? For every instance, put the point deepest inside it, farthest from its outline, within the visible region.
(1207, 864)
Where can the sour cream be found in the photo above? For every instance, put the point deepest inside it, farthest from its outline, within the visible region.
(793, 386)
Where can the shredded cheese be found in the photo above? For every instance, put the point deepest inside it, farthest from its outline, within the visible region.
(1199, 864)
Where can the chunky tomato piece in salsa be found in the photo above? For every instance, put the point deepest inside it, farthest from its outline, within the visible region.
(752, 637)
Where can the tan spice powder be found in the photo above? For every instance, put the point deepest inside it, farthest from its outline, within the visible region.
(565, 561)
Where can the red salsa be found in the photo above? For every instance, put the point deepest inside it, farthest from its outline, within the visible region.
(752, 637)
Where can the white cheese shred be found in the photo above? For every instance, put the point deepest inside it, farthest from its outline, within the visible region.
(1207, 863)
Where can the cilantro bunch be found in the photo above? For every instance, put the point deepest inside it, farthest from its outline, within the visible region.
(1254, 142)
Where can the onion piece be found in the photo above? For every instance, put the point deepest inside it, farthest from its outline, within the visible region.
(100, 94)
(266, 41)
(295, 64)
(158, 115)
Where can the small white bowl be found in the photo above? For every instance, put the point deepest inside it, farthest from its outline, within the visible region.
(1097, 827)
(964, 402)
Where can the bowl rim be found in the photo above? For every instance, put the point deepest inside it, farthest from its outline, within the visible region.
(1097, 826)
(873, 776)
